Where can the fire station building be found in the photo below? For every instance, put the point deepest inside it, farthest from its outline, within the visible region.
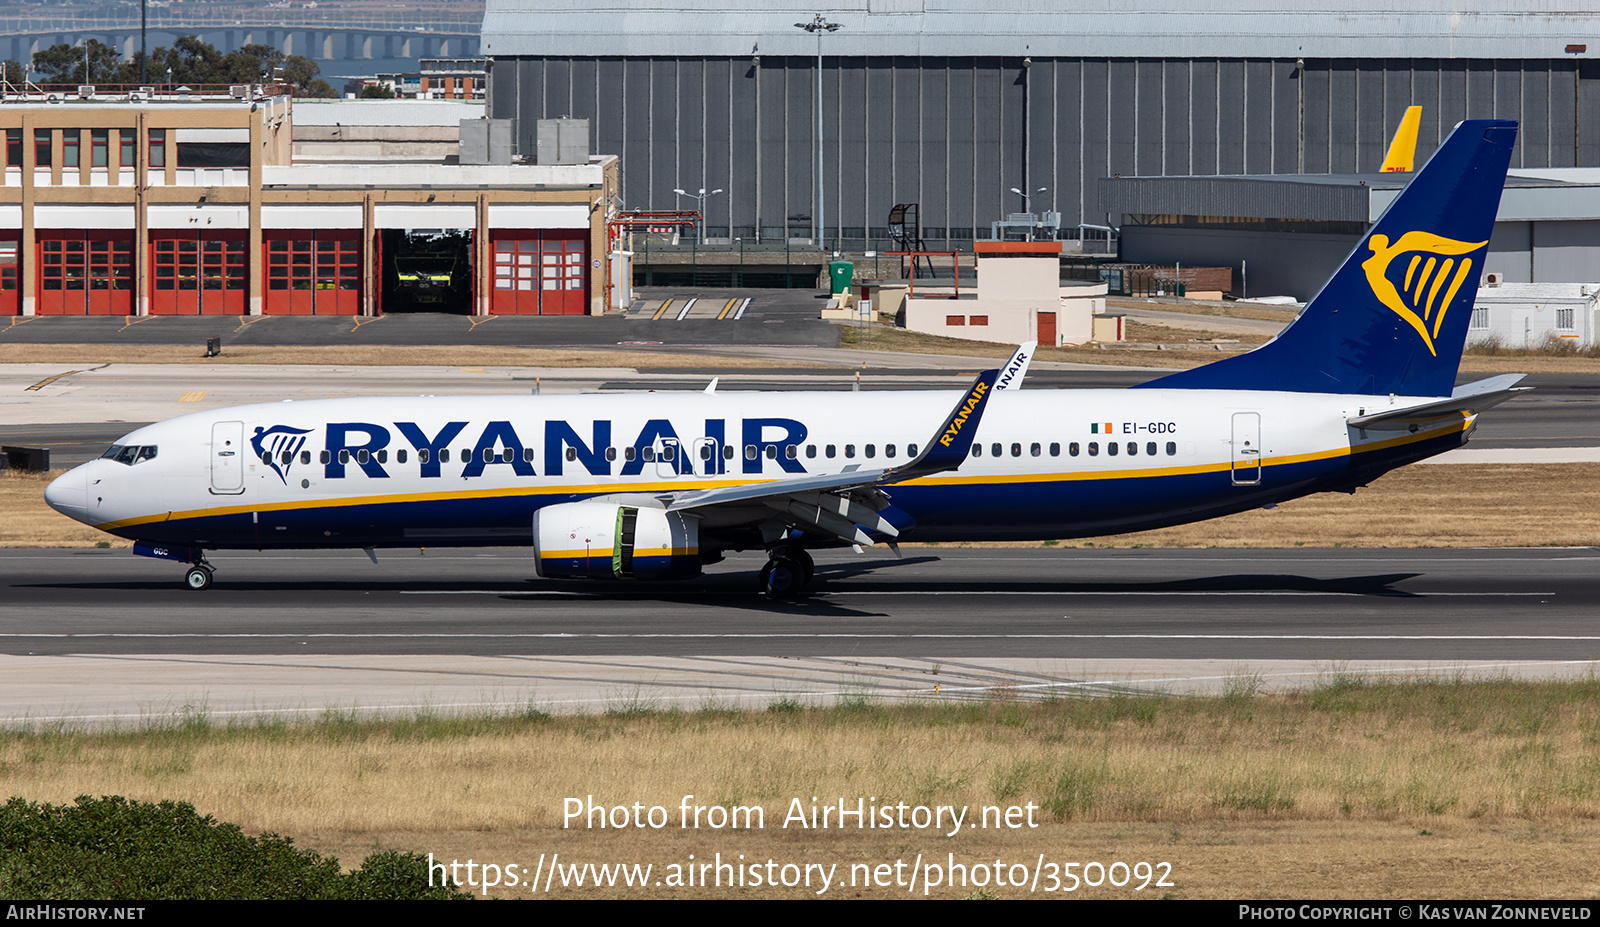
(148, 202)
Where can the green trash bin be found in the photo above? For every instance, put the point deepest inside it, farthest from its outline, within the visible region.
(840, 274)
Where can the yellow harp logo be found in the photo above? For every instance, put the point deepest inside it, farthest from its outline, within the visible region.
(1432, 277)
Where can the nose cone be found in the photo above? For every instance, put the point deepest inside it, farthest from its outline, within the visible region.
(68, 494)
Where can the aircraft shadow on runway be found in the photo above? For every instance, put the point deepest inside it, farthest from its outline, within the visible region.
(737, 589)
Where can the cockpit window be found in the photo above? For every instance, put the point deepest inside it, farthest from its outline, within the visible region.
(130, 454)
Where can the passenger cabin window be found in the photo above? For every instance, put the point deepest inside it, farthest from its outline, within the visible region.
(1150, 448)
(400, 456)
(1172, 448)
(849, 450)
(911, 450)
(1111, 448)
(1094, 448)
(811, 450)
(872, 450)
(830, 451)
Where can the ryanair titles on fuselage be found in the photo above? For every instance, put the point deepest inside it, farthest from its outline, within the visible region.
(563, 447)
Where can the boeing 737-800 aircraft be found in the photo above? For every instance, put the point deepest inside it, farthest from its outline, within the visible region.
(656, 486)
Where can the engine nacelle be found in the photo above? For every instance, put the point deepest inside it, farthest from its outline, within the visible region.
(605, 540)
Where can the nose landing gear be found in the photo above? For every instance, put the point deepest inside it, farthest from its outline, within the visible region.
(199, 575)
(787, 573)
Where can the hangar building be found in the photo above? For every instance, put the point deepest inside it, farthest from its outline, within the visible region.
(953, 103)
(187, 202)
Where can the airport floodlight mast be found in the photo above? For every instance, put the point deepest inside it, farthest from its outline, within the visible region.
(1027, 204)
(699, 208)
(818, 26)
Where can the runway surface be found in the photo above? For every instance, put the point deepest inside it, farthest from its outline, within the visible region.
(101, 635)
(1073, 603)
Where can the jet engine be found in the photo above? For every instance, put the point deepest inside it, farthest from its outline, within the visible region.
(605, 540)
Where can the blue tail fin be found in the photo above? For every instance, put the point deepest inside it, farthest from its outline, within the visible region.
(1393, 318)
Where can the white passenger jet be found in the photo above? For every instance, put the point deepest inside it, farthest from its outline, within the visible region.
(656, 486)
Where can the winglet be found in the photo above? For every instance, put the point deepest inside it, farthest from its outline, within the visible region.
(1017, 367)
(1403, 149)
(950, 445)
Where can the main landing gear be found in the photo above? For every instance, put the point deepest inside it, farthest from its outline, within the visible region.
(199, 575)
(788, 573)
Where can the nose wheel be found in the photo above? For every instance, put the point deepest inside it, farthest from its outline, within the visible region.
(199, 576)
(788, 573)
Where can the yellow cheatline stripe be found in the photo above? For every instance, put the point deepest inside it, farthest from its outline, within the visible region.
(661, 311)
(194, 396)
(726, 309)
(599, 488)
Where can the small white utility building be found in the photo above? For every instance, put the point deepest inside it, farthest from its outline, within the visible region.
(1529, 315)
(1020, 297)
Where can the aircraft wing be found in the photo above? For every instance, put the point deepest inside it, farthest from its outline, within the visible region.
(1470, 398)
(843, 504)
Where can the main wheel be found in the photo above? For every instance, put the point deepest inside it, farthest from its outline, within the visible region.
(808, 567)
(780, 578)
(198, 578)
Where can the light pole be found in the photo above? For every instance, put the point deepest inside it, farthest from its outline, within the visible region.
(699, 206)
(818, 26)
(1027, 204)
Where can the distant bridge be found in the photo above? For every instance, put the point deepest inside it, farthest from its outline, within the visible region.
(329, 38)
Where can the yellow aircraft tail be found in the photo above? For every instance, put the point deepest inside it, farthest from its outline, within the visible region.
(1403, 149)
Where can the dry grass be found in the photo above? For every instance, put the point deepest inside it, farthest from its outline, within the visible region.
(1459, 505)
(898, 340)
(373, 356)
(1225, 310)
(1421, 789)
(1491, 505)
(25, 521)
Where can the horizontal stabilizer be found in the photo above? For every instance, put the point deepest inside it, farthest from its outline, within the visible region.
(1470, 398)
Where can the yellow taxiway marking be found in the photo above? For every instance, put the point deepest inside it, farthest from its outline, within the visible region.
(479, 320)
(662, 311)
(726, 309)
(49, 380)
(473, 370)
(134, 320)
(194, 396)
(360, 321)
(249, 320)
(18, 320)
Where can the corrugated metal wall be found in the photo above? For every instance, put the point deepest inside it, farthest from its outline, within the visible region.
(956, 134)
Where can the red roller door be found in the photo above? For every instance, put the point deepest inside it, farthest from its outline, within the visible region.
(198, 273)
(84, 273)
(540, 272)
(313, 272)
(10, 276)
